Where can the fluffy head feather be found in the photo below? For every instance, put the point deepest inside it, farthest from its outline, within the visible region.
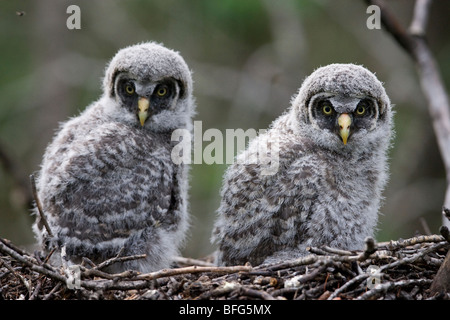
(151, 62)
(148, 61)
(346, 79)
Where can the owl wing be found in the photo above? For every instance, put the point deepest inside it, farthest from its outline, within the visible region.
(261, 214)
(109, 185)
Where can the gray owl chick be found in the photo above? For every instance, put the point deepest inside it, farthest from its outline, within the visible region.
(107, 182)
(332, 168)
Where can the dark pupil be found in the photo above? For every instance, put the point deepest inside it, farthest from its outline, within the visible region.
(327, 109)
(162, 91)
(129, 89)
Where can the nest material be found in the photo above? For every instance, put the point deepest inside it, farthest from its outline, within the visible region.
(402, 269)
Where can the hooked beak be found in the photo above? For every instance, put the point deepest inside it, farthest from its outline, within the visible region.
(344, 122)
(143, 105)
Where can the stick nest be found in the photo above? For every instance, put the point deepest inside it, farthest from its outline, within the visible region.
(402, 269)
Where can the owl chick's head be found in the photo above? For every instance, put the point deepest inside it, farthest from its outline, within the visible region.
(341, 106)
(150, 86)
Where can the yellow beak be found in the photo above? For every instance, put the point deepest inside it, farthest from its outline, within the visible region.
(143, 105)
(344, 122)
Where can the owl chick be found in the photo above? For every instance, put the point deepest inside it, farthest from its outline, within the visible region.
(331, 171)
(107, 183)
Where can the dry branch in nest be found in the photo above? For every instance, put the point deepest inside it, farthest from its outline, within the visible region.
(402, 269)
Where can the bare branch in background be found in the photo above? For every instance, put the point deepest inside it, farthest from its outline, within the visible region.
(415, 44)
(420, 19)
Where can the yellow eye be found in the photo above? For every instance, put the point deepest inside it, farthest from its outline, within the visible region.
(161, 91)
(327, 110)
(360, 110)
(129, 89)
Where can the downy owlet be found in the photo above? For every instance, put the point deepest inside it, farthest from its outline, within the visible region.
(107, 183)
(331, 161)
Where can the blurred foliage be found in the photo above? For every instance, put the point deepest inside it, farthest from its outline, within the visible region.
(248, 58)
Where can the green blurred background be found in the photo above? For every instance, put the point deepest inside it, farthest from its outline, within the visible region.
(248, 58)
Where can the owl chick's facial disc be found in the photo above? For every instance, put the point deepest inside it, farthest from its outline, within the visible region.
(150, 87)
(343, 115)
(357, 102)
(145, 98)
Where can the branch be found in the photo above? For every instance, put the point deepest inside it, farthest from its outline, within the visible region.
(384, 287)
(44, 269)
(393, 26)
(191, 261)
(395, 245)
(419, 23)
(415, 45)
(39, 205)
(192, 269)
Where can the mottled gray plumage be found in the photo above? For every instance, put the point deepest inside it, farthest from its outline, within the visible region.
(325, 191)
(107, 181)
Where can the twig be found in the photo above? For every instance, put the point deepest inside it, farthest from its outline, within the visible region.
(307, 260)
(10, 245)
(370, 248)
(426, 228)
(337, 251)
(105, 275)
(192, 262)
(385, 287)
(133, 281)
(418, 25)
(224, 289)
(443, 230)
(50, 294)
(18, 276)
(240, 289)
(86, 261)
(446, 213)
(358, 279)
(313, 258)
(193, 269)
(397, 244)
(45, 269)
(35, 293)
(384, 268)
(114, 284)
(255, 293)
(39, 205)
(118, 258)
(96, 269)
(413, 258)
(392, 25)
